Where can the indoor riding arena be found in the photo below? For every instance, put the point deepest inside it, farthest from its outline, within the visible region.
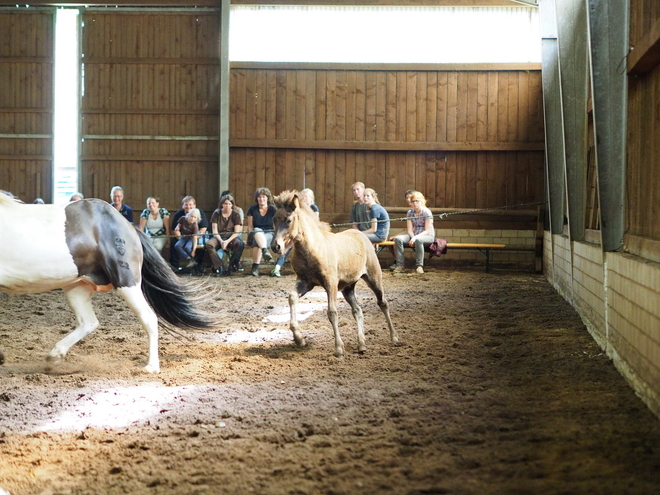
(528, 354)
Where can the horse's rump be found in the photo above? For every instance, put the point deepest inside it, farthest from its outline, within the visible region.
(104, 246)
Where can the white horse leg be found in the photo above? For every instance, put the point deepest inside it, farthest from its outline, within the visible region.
(79, 297)
(302, 288)
(136, 301)
(332, 316)
(349, 295)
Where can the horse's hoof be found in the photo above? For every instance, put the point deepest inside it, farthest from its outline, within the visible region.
(53, 358)
(362, 350)
(2, 358)
(152, 369)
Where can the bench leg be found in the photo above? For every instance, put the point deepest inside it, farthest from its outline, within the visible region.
(486, 253)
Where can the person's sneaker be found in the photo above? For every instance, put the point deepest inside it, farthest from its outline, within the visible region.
(275, 272)
(255, 270)
(398, 269)
(218, 272)
(266, 254)
(394, 266)
(191, 263)
(419, 269)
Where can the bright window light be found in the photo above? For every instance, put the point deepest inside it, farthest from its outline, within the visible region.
(384, 34)
(65, 120)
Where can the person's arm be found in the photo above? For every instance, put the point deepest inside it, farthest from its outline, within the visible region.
(195, 237)
(352, 217)
(373, 228)
(214, 231)
(410, 232)
(168, 230)
(428, 227)
(250, 223)
(143, 224)
(238, 230)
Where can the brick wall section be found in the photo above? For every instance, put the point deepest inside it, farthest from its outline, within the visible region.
(524, 239)
(589, 288)
(617, 296)
(633, 296)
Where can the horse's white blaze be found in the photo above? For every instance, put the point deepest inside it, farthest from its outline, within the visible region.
(35, 255)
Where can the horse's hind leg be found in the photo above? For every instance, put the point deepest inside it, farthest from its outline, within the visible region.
(349, 295)
(376, 285)
(302, 288)
(79, 297)
(136, 301)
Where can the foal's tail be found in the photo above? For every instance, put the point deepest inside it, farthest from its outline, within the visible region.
(172, 301)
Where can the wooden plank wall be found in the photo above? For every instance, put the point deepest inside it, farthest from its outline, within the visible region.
(643, 167)
(465, 138)
(150, 106)
(26, 102)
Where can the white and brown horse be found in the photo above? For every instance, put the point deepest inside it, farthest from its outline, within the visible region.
(84, 247)
(333, 261)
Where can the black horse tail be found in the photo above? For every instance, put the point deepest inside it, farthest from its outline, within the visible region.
(173, 302)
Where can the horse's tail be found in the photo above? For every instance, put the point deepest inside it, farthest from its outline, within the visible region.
(172, 301)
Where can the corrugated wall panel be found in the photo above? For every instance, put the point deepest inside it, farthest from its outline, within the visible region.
(388, 129)
(150, 106)
(26, 103)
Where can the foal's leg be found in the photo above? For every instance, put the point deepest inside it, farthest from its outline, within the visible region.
(331, 290)
(136, 301)
(349, 295)
(302, 288)
(79, 297)
(376, 285)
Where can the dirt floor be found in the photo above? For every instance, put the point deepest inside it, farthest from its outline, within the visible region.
(496, 388)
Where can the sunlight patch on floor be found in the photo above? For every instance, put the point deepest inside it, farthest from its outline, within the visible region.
(304, 309)
(117, 407)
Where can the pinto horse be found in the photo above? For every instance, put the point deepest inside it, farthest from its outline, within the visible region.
(333, 261)
(88, 246)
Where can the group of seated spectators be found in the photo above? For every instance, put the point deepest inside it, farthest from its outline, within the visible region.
(371, 218)
(192, 234)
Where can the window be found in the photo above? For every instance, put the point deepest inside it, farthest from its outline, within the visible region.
(384, 34)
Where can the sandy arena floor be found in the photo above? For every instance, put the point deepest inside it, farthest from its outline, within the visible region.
(496, 388)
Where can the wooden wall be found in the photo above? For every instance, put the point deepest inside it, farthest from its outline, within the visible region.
(26, 102)
(643, 167)
(150, 106)
(465, 138)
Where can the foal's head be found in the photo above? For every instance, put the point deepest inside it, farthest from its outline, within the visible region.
(291, 220)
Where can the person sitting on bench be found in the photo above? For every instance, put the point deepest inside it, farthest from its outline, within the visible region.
(419, 232)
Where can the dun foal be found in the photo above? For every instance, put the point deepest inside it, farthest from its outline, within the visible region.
(333, 261)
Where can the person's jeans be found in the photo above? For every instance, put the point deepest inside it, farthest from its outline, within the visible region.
(183, 248)
(374, 238)
(401, 241)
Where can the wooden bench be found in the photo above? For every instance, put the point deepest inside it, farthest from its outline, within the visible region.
(482, 248)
